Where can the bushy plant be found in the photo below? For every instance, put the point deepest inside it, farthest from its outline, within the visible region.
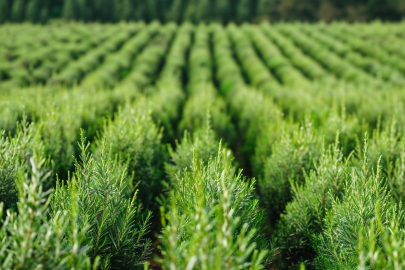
(357, 219)
(202, 143)
(207, 102)
(15, 155)
(212, 222)
(134, 138)
(291, 156)
(304, 215)
(31, 240)
(112, 226)
(254, 112)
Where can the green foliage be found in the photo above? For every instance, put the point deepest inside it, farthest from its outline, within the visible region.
(168, 96)
(243, 11)
(291, 156)
(123, 10)
(396, 181)
(135, 139)
(4, 11)
(133, 88)
(203, 143)
(224, 11)
(173, 13)
(256, 72)
(390, 239)
(264, 9)
(367, 63)
(304, 215)
(113, 229)
(274, 59)
(75, 71)
(29, 239)
(252, 109)
(117, 65)
(69, 9)
(305, 64)
(15, 154)
(212, 220)
(207, 102)
(33, 10)
(17, 10)
(203, 97)
(203, 11)
(103, 10)
(147, 64)
(356, 220)
(331, 61)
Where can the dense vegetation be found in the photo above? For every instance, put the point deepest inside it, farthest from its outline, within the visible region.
(202, 146)
(41, 11)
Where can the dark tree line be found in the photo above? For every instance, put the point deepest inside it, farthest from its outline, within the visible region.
(40, 11)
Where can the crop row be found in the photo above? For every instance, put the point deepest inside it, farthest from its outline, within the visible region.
(256, 72)
(36, 64)
(300, 135)
(134, 139)
(203, 103)
(117, 65)
(329, 60)
(305, 64)
(75, 71)
(366, 48)
(147, 65)
(167, 94)
(274, 58)
(368, 64)
(19, 39)
(390, 40)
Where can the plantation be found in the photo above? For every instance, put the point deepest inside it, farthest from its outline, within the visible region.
(202, 146)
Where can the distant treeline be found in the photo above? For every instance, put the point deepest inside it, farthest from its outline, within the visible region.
(40, 11)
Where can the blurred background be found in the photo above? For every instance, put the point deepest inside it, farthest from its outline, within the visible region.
(42, 11)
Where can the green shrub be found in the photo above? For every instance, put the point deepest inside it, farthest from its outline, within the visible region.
(134, 139)
(357, 219)
(291, 156)
(15, 153)
(304, 215)
(202, 143)
(212, 222)
(29, 239)
(199, 106)
(113, 229)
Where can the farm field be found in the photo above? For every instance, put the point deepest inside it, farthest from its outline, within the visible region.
(165, 146)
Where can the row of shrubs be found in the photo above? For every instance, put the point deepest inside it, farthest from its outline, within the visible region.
(56, 56)
(18, 39)
(147, 65)
(329, 199)
(76, 70)
(275, 60)
(307, 65)
(36, 62)
(364, 47)
(117, 65)
(367, 63)
(96, 218)
(203, 98)
(298, 170)
(342, 69)
(254, 68)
